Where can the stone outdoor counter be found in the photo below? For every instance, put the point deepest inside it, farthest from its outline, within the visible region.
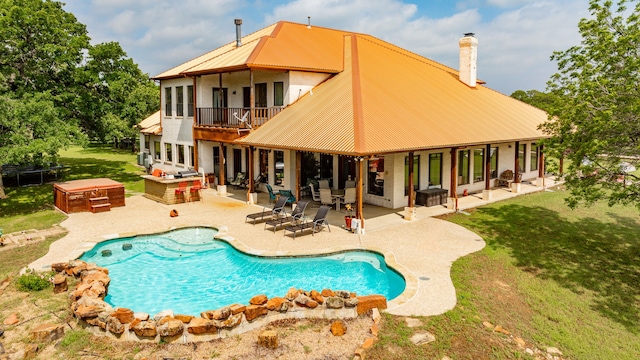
(92, 312)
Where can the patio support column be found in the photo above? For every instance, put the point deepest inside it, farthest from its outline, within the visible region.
(250, 172)
(220, 91)
(516, 165)
(298, 173)
(359, 187)
(453, 193)
(540, 180)
(515, 186)
(410, 195)
(193, 128)
(487, 167)
(222, 181)
(541, 161)
(252, 99)
(486, 193)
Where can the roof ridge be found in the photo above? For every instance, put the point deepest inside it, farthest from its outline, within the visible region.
(404, 52)
(205, 59)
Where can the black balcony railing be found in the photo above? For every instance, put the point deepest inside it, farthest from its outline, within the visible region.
(233, 117)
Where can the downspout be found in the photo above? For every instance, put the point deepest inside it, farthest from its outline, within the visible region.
(516, 164)
(193, 128)
(410, 195)
(250, 172)
(298, 173)
(487, 168)
(454, 178)
(359, 187)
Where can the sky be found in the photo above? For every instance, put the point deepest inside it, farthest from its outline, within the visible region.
(516, 37)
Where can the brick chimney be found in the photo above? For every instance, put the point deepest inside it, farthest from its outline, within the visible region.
(468, 59)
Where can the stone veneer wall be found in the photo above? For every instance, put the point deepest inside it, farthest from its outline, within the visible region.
(88, 305)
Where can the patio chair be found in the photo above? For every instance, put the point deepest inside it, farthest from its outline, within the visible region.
(272, 195)
(239, 180)
(314, 194)
(318, 222)
(289, 195)
(296, 215)
(349, 184)
(326, 198)
(349, 196)
(323, 184)
(277, 208)
(180, 191)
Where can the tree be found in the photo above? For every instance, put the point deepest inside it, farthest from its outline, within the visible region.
(56, 90)
(115, 94)
(595, 123)
(539, 99)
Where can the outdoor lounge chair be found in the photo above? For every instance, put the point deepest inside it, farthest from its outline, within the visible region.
(314, 194)
(272, 195)
(506, 178)
(289, 195)
(323, 184)
(239, 180)
(296, 215)
(326, 198)
(317, 223)
(277, 208)
(349, 196)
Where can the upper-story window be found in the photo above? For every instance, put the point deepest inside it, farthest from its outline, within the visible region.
(278, 93)
(261, 95)
(190, 100)
(167, 101)
(180, 101)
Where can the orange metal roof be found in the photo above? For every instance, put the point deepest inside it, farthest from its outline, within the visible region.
(151, 125)
(283, 45)
(388, 99)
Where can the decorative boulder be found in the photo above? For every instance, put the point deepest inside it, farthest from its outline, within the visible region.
(59, 267)
(253, 311)
(316, 296)
(170, 327)
(275, 304)
(47, 332)
(229, 323)
(334, 302)
(343, 294)
(338, 328)
(201, 326)
(292, 294)
(327, 293)
(114, 325)
(123, 315)
(59, 283)
(145, 329)
(259, 300)
(237, 308)
(368, 302)
(184, 318)
(268, 339)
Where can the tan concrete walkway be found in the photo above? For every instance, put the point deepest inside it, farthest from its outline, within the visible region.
(422, 250)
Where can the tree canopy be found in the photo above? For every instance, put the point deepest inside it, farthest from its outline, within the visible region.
(595, 122)
(56, 89)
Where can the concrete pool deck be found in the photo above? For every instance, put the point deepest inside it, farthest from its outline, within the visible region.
(423, 250)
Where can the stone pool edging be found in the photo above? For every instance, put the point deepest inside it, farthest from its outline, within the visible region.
(97, 316)
(411, 281)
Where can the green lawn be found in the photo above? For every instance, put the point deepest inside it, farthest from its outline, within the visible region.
(555, 277)
(31, 207)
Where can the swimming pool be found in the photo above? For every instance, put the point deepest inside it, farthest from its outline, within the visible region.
(189, 272)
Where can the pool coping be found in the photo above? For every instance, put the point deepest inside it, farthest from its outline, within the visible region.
(411, 282)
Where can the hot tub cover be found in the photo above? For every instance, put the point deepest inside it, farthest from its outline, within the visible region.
(86, 184)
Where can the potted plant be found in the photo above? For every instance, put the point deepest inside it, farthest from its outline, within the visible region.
(347, 218)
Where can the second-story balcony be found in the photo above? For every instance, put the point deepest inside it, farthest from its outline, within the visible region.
(235, 117)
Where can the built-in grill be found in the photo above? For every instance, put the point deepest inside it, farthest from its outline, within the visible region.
(186, 173)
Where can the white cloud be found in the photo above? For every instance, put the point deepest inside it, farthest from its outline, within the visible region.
(516, 37)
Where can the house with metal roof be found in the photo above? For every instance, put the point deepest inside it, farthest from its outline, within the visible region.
(298, 103)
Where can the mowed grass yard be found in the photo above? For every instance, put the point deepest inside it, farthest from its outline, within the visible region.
(552, 276)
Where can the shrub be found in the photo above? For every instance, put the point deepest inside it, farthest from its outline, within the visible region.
(33, 282)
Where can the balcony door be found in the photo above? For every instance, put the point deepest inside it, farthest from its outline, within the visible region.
(220, 105)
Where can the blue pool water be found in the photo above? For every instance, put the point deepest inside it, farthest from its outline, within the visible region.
(188, 272)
